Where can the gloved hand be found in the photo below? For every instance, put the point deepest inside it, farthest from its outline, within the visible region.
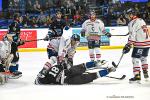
(66, 28)
(108, 34)
(46, 38)
(82, 33)
(126, 48)
(60, 59)
(22, 42)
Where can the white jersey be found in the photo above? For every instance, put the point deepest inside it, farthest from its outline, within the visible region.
(62, 45)
(5, 50)
(54, 44)
(93, 30)
(65, 47)
(139, 35)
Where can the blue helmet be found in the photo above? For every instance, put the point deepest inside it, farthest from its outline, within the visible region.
(75, 37)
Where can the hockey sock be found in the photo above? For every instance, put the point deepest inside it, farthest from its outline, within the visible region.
(90, 65)
(102, 73)
(13, 68)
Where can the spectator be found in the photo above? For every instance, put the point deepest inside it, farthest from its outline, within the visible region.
(41, 18)
(37, 7)
(121, 21)
(77, 18)
(29, 7)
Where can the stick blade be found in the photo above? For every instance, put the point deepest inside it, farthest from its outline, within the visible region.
(114, 64)
(123, 77)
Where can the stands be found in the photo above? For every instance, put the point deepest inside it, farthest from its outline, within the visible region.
(105, 9)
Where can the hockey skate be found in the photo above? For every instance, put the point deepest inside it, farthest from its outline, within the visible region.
(101, 63)
(136, 79)
(3, 79)
(15, 75)
(111, 69)
(146, 76)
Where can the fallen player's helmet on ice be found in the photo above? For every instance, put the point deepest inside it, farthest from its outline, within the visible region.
(75, 37)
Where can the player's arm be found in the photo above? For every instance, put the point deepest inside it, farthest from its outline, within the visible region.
(62, 50)
(104, 30)
(83, 30)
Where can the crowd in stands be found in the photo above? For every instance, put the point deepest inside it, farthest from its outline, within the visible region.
(39, 13)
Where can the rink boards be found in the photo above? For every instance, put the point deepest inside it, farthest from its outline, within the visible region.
(115, 42)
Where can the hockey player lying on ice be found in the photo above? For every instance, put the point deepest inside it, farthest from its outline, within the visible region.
(60, 74)
(56, 71)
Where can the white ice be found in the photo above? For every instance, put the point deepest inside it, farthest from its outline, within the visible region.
(101, 89)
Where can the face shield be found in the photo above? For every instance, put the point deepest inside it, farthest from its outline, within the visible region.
(75, 43)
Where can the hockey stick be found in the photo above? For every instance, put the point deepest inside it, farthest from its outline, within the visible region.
(114, 64)
(121, 78)
(33, 40)
(121, 35)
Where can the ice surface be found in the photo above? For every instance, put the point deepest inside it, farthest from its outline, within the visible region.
(101, 89)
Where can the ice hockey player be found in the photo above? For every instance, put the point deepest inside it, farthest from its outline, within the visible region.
(61, 49)
(61, 74)
(14, 31)
(93, 28)
(55, 32)
(5, 58)
(139, 38)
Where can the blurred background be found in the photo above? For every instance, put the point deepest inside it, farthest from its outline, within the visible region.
(39, 13)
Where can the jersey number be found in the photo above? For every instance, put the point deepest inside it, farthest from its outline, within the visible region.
(145, 29)
(54, 71)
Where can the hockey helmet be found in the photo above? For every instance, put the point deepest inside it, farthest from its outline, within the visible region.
(92, 13)
(75, 37)
(131, 11)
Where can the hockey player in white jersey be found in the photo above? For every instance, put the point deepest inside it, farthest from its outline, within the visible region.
(5, 58)
(62, 48)
(92, 29)
(139, 38)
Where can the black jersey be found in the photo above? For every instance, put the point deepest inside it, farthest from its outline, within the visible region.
(57, 27)
(53, 76)
(14, 28)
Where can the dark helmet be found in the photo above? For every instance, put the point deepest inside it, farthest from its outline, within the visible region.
(75, 37)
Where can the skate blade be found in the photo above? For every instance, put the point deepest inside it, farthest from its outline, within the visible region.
(146, 79)
(135, 82)
(14, 77)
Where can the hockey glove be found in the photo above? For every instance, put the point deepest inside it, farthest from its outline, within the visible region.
(108, 34)
(22, 42)
(83, 33)
(46, 38)
(66, 28)
(126, 48)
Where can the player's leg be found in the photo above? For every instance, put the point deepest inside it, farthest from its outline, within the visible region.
(2, 75)
(91, 50)
(14, 67)
(47, 66)
(136, 54)
(51, 52)
(144, 62)
(86, 77)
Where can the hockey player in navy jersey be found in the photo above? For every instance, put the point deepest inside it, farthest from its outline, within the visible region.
(64, 74)
(55, 32)
(139, 38)
(14, 31)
